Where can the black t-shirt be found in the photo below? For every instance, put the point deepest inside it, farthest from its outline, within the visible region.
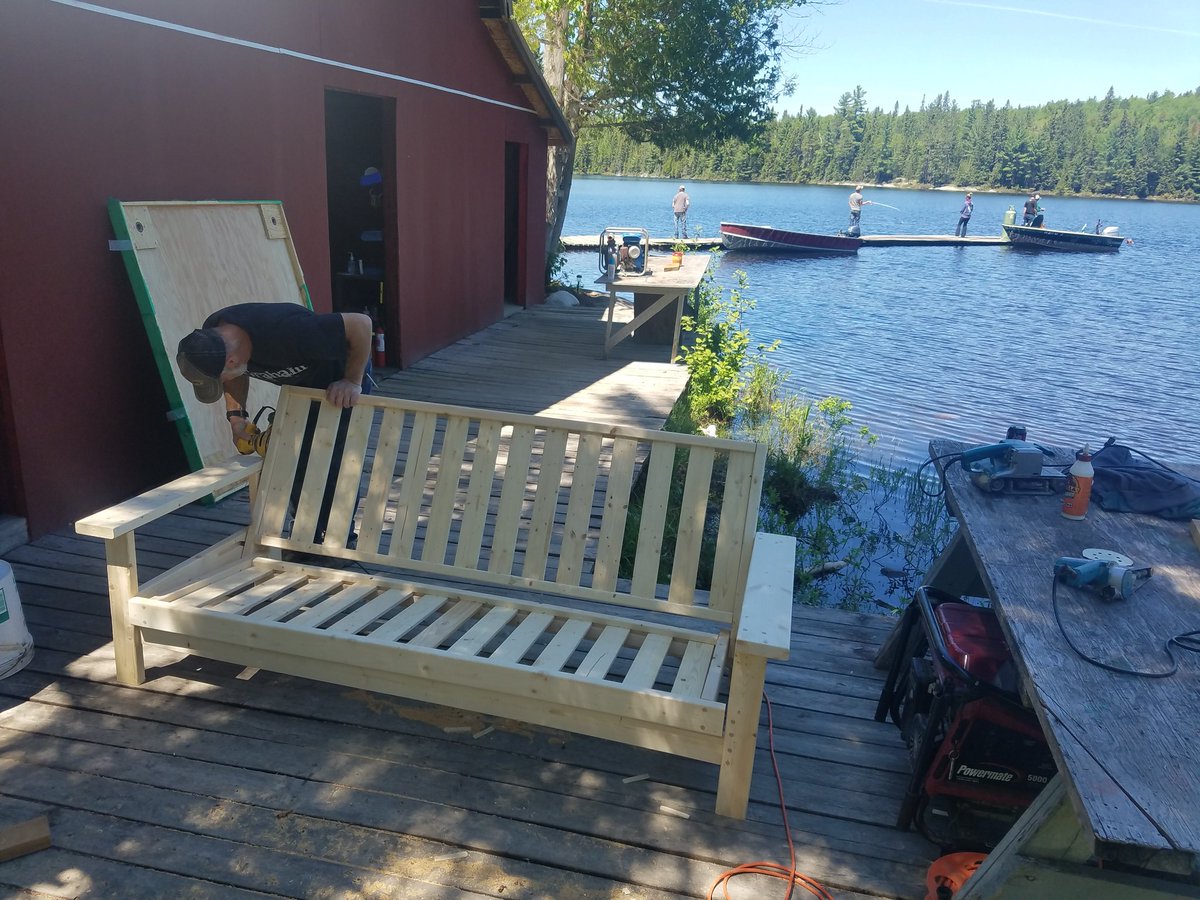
(290, 344)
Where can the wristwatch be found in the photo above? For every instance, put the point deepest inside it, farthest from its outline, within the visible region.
(240, 413)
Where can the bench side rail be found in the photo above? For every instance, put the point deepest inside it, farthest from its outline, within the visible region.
(519, 501)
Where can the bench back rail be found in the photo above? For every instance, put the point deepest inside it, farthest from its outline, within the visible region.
(509, 500)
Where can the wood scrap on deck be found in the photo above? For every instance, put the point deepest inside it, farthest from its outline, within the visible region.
(24, 828)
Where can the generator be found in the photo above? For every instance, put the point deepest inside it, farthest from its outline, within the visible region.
(978, 754)
(626, 249)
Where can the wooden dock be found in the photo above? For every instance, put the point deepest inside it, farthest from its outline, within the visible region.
(588, 242)
(932, 240)
(592, 242)
(213, 781)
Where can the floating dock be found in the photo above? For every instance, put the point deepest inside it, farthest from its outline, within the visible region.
(931, 240)
(591, 241)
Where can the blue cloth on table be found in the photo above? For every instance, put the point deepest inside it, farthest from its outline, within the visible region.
(1127, 483)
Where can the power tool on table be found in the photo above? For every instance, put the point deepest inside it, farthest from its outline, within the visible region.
(1111, 575)
(257, 439)
(1013, 466)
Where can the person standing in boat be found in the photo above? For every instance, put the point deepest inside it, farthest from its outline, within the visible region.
(856, 204)
(964, 216)
(679, 204)
(1030, 209)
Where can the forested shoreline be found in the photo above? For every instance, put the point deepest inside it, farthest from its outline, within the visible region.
(1127, 147)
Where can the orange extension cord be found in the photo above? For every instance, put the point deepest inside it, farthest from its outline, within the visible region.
(773, 870)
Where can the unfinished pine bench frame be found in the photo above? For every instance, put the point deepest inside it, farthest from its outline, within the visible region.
(494, 544)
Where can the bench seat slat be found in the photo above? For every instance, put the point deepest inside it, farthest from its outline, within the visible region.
(446, 624)
(563, 645)
(332, 605)
(693, 670)
(272, 589)
(605, 649)
(217, 589)
(409, 618)
(643, 671)
(522, 638)
(479, 634)
(716, 668)
(283, 607)
(375, 608)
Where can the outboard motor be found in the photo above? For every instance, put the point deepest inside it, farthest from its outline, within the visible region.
(853, 231)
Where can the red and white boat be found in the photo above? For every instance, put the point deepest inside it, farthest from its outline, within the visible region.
(775, 240)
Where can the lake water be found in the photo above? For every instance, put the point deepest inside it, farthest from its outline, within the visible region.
(957, 342)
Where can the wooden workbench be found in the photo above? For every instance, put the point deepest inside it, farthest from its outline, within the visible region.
(1122, 819)
(669, 287)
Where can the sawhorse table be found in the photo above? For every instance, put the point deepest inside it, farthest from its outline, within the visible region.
(668, 287)
(1121, 820)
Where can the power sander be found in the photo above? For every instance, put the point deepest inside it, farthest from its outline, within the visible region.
(1111, 575)
(1013, 466)
(256, 438)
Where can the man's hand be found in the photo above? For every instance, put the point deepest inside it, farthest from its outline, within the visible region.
(343, 394)
(239, 424)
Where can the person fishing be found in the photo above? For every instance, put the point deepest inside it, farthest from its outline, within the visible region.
(1030, 210)
(856, 204)
(964, 216)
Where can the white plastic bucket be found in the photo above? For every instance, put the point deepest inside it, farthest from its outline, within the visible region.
(16, 646)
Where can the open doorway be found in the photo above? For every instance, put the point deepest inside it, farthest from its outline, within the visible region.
(360, 183)
(13, 529)
(515, 156)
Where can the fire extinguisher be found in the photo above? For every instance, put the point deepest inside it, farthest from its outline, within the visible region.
(380, 347)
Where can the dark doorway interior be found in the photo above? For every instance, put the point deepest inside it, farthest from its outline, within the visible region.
(514, 213)
(12, 507)
(360, 181)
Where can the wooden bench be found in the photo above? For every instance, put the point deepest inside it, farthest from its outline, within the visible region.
(498, 570)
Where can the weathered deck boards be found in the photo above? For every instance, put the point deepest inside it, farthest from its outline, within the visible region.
(212, 782)
(548, 362)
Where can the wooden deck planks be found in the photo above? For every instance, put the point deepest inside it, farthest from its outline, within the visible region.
(555, 798)
(203, 783)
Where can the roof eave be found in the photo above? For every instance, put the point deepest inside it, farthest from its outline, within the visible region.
(527, 74)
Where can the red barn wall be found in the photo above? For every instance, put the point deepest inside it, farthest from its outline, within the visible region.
(96, 107)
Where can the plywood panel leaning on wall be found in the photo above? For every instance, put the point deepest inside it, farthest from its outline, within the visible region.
(189, 259)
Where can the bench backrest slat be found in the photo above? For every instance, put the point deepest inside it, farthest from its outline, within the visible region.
(514, 500)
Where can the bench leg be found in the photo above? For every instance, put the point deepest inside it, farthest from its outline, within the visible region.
(122, 585)
(741, 734)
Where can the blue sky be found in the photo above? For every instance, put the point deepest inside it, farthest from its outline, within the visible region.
(1028, 52)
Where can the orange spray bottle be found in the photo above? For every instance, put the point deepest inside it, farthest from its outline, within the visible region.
(1079, 486)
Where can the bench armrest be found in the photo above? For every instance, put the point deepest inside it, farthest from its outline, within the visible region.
(157, 502)
(765, 626)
